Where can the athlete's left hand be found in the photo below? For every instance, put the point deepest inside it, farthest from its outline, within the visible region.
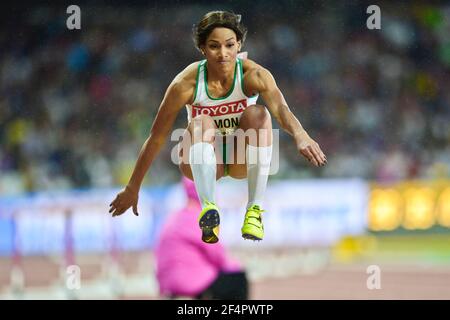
(311, 150)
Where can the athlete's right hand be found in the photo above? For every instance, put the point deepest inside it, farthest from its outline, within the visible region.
(125, 199)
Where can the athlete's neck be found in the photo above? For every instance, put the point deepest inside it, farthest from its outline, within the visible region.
(218, 74)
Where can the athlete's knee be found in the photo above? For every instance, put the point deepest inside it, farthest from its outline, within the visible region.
(202, 127)
(257, 116)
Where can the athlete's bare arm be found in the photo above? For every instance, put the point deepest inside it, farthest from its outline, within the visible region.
(259, 80)
(179, 93)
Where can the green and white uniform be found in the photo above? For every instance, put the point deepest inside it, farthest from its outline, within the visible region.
(225, 111)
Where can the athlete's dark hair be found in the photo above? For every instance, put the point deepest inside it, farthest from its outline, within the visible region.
(215, 19)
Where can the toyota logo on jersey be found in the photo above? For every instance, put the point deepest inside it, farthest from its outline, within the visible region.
(220, 110)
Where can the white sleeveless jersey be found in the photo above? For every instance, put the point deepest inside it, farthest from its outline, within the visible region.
(225, 111)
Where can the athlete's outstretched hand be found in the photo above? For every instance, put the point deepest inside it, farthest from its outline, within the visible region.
(125, 199)
(311, 150)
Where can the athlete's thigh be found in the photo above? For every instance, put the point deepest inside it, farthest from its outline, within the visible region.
(238, 167)
(183, 157)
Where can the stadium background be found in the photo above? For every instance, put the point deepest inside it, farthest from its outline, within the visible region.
(76, 105)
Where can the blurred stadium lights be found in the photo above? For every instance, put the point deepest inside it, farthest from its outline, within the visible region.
(411, 205)
(419, 204)
(443, 208)
(384, 209)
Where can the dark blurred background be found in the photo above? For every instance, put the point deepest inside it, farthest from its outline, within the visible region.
(76, 105)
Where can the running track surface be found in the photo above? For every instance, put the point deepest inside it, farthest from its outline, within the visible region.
(330, 281)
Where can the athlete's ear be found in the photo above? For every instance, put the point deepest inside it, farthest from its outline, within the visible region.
(202, 49)
(239, 46)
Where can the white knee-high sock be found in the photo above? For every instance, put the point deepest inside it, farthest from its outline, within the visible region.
(202, 159)
(258, 168)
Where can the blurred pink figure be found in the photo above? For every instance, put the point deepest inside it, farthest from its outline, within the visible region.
(188, 267)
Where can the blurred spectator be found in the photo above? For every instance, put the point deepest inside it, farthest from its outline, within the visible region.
(188, 267)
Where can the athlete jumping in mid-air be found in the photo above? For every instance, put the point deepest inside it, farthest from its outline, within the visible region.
(220, 94)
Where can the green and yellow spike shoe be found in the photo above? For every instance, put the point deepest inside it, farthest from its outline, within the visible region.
(209, 221)
(253, 228)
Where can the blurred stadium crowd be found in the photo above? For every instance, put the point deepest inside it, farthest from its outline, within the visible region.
(76, 105)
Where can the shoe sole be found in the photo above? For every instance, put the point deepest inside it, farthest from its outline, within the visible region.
(248, 236)
(208, 223)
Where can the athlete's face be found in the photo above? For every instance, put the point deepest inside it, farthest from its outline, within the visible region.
(222, 47)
